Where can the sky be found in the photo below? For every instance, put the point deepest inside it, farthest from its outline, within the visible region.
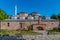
(44, 7)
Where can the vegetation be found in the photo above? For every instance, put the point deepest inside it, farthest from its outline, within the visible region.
(3, 15)
(55, 30)
(28, 32)
(54, 16)
(13, 32)
(30, 27)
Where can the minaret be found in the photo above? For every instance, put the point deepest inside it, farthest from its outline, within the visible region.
(15, 10)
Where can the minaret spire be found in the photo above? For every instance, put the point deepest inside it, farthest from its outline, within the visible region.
(15, 10)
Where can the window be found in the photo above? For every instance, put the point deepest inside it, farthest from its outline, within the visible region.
(8, 24)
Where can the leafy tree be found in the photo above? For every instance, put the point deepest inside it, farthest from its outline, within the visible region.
(54, 16)
(59, 18)
(3, 15)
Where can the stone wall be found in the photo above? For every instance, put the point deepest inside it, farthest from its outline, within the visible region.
(14, 25)
(50, 25)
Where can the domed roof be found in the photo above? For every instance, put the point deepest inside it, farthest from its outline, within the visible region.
(22, 13)
(35, 14)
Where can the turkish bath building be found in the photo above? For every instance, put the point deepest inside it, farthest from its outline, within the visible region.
(23, 21)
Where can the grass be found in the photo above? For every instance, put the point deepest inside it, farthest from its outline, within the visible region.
(55, 30)
(52, 31)
(28, 32)
(13, 32)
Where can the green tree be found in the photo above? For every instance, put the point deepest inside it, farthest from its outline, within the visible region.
(54, 16)
(3, 15)
(59, 18)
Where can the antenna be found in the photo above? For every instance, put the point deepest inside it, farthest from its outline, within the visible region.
(15, 10)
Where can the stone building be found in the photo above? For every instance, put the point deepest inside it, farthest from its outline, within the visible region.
(23, 22)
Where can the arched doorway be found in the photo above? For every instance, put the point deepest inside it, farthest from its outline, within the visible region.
(40, 28)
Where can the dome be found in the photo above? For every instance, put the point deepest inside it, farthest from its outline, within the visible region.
(23, 14)
(35, 14)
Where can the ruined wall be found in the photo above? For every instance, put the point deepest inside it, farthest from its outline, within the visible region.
(12, 25)
(16, 25)
(50, 25)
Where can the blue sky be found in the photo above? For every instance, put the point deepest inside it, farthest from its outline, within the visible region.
(44, 7)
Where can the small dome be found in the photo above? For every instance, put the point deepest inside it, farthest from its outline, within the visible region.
(23, 14)
(35, 14)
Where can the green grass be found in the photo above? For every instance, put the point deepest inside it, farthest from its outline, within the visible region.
(53, 32)
(10, 32)
(28, 32)
(13, 32)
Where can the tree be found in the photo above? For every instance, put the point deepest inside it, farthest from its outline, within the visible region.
(54, 16)
(59, 18)
(3, 15)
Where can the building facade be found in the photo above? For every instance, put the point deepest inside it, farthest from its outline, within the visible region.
(23, 22)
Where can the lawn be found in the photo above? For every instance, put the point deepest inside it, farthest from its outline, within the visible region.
(13, 32)
(28, 32)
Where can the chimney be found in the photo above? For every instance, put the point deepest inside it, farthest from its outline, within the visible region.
(39, 20)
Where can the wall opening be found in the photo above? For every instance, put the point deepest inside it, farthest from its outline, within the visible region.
(40, 28)
(8, 24)
(20, 25)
